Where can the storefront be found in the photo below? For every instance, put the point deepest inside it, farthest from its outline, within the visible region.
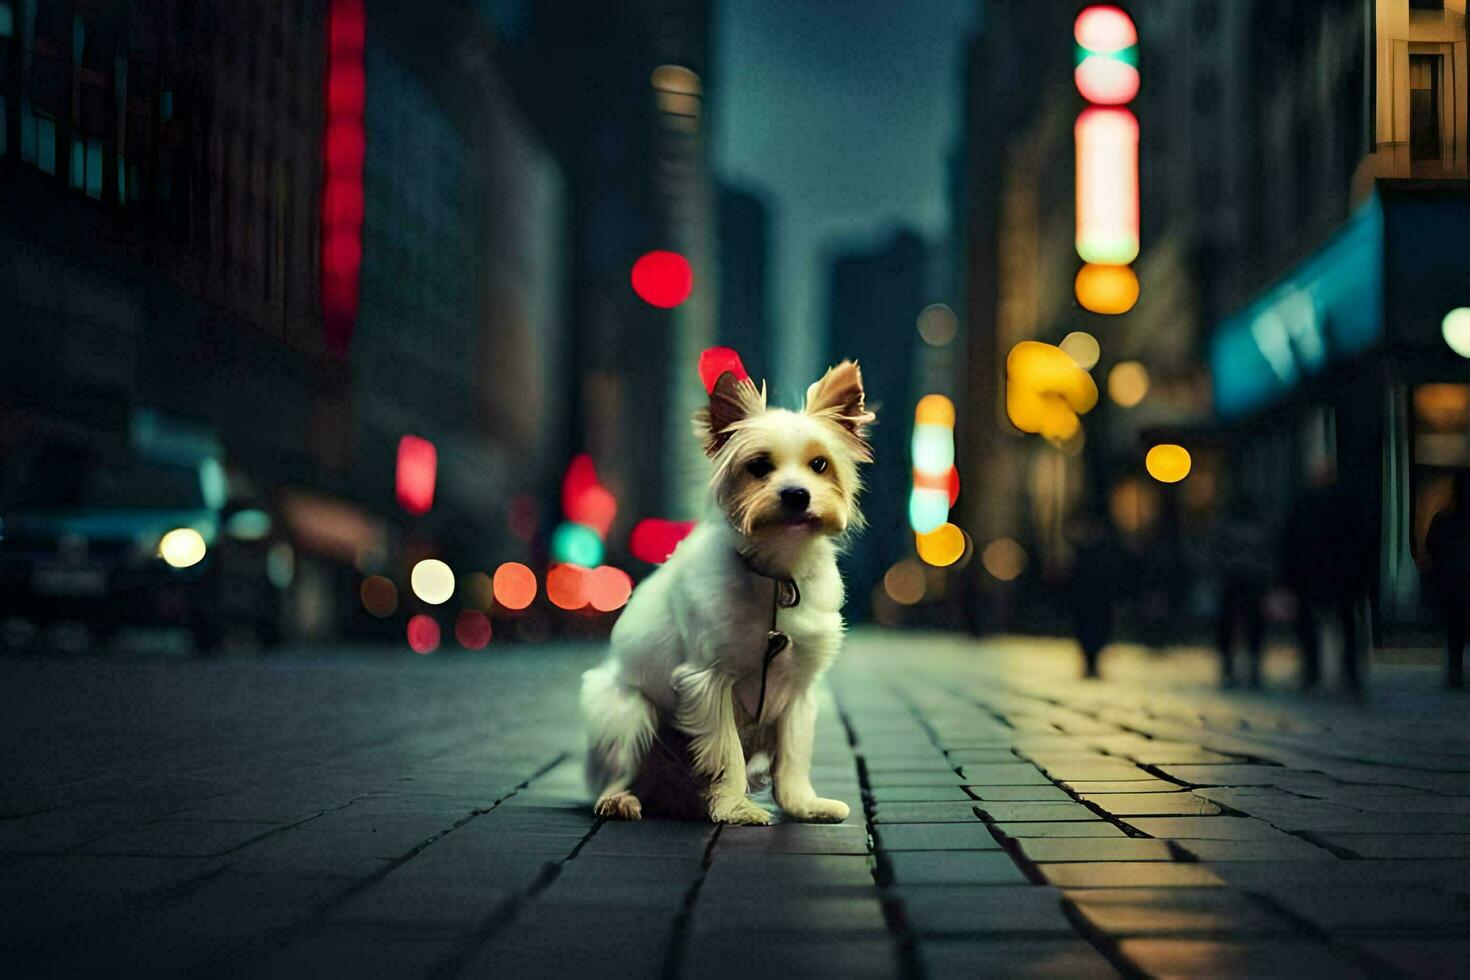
(1343, 366)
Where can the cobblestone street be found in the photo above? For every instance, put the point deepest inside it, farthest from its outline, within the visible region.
(388, 815)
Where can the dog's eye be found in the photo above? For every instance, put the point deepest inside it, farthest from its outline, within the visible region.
(760, 468)
(819, 464)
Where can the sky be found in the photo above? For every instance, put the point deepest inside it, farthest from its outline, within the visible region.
(843, 113)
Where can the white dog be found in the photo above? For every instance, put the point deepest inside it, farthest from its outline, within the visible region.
(722, 646)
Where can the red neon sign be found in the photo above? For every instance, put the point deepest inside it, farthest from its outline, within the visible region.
(343, 147)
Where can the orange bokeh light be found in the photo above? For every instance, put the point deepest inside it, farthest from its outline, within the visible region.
(934, 410)
(566, 586)
(1107, 289)
(514, 585)
(608, 588)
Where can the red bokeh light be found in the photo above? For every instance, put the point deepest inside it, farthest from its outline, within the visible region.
(472, 629)
(566, 586)
(514, 585)
(423, 634)
(418, 464)
(954, 485)
(608, 588)
(715, 361)
(663, 279)
(654, 538)
(584, 499)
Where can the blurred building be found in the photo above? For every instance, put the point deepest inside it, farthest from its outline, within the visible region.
(1288, 319)
(873, 302)
(621, 91)
(745, 278)
(192, 258)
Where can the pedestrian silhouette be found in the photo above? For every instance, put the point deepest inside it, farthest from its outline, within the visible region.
(1448, 572)
(1325, 563)
(1098, 580)
(1240, 552)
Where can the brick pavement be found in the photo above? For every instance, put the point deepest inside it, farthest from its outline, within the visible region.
(399, 816)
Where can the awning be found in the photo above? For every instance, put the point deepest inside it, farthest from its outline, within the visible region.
(1385, 279)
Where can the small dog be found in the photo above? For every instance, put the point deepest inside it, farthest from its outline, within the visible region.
(722, 646)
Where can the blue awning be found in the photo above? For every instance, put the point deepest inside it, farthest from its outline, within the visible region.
(1326, 310)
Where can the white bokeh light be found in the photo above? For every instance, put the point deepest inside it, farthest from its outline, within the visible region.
(182, 547)
(432, 581)
(1456, 330)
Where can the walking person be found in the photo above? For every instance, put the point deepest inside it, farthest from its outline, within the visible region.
(1099, 570)
(1325, 563)
(1240, 552)
(1447, 546)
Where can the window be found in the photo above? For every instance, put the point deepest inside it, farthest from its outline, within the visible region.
(1424, 107)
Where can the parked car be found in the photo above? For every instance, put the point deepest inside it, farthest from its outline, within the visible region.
(112, 543)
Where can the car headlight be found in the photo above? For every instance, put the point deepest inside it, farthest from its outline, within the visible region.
(182, 547)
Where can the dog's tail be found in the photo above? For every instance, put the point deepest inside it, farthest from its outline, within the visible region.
(620, 727)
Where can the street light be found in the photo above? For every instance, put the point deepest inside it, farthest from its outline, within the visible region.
(1168, 463)
(1456, 330)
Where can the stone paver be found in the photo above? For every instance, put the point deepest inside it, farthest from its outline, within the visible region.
(385, 814)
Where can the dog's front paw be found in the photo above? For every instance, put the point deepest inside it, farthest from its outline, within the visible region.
(818, 810)
(738, 810)
(619, 806)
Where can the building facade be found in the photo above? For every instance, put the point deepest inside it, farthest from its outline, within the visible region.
(874, 300)
(1289, 321)
(163, 264)
(745, 278)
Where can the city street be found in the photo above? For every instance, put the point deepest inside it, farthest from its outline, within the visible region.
(377, 813)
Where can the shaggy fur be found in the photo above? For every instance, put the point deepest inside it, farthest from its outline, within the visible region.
(671, 713)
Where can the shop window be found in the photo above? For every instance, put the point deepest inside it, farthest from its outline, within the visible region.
(1441, 446)
(1424, 107)
(1442, 425)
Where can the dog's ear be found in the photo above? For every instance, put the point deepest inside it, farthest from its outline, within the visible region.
(730, 401)
(838, 398)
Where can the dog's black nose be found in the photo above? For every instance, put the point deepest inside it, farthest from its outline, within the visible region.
(794, 500)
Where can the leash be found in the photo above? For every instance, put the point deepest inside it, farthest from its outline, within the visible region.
(784, 595)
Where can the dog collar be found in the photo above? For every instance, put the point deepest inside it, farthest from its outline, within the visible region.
(787, 596)
(784, 595)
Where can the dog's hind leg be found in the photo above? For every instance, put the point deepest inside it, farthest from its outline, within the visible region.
(620, 726)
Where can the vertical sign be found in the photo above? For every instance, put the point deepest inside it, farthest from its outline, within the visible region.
(1106, 135)
(343, 148)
